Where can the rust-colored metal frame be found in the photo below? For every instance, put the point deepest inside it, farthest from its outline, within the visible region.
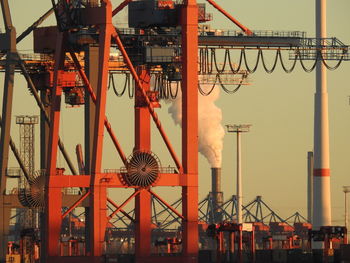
(98, 182)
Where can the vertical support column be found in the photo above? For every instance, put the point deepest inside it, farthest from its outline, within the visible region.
(189, 23)
(91, 68)
(6, 125)
(240, 244)
(231, 244)
(253, 250)
(327, 243)
(322, 196)
(143, 199)
(53, 194)
(220, 246)
(44, 129)
(98, 196)
(346, 216)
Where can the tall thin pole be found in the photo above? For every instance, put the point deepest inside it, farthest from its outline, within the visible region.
(346, 190)
(239, 181)
(346, 211)
(239, 129)
(322, 196)
(310, 169)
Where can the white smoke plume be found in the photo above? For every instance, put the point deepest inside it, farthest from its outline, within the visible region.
(210, 130)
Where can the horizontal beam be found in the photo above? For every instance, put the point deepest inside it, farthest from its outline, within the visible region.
(12, 201)
(111, 180)
(249, 41)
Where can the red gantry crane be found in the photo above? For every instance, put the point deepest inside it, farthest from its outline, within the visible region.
(163, 37)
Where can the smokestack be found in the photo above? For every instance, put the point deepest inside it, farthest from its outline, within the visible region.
(321, 194)
(216, 194)
(310, 170)
(210, 140)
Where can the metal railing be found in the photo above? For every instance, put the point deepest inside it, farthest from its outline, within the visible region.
(123, 170)
(256, 33)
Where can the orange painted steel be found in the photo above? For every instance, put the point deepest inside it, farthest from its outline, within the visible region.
(93, 97)
(121, 210)
(98, 181)
(124, 203)
(149, 104)
(189, 45)
(53, 193)
(98, 200)
(219, 8)
(81, 199)
(142, 137)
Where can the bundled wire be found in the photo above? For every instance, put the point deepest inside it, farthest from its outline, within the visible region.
(337, 64)
(126, 84)
(218, 82)
(290, 70)
(208, 65)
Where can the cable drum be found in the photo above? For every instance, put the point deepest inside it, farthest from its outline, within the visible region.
(37, 190)
(142, 169)
(33, 194)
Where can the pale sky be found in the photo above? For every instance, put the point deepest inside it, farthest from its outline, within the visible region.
(278, 105)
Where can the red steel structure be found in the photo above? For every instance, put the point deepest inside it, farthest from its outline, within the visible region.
(94, 183)
(97, 182)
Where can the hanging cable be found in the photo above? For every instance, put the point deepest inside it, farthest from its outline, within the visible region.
(200, 60)
(283, 65)
(157, 83)
(235, 71)
(165, 92)
(213, 59)
(203, 93)
(308, 70)
(226, 89)
(336, 65)
(173, 95)
(250, 71)
(269, 71)
(206, 60)
(131, 90)
(112, 83)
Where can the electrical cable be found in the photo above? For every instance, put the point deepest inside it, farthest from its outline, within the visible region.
(226, 89)
(131, 90)
(203, 93)
(308, 70)
(336, 65)
(235, 71)
(165, 90)
(173, 96)
(283, 65)
(269, 71)
(111, 83)
(250, 71)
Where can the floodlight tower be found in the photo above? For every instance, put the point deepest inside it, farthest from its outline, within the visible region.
(238, 129)
(321, 195)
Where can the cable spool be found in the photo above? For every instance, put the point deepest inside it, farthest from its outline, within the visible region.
(142, 169)
(33, 195)
(37, 190)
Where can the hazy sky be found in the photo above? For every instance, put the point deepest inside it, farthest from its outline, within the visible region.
(278, 105)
